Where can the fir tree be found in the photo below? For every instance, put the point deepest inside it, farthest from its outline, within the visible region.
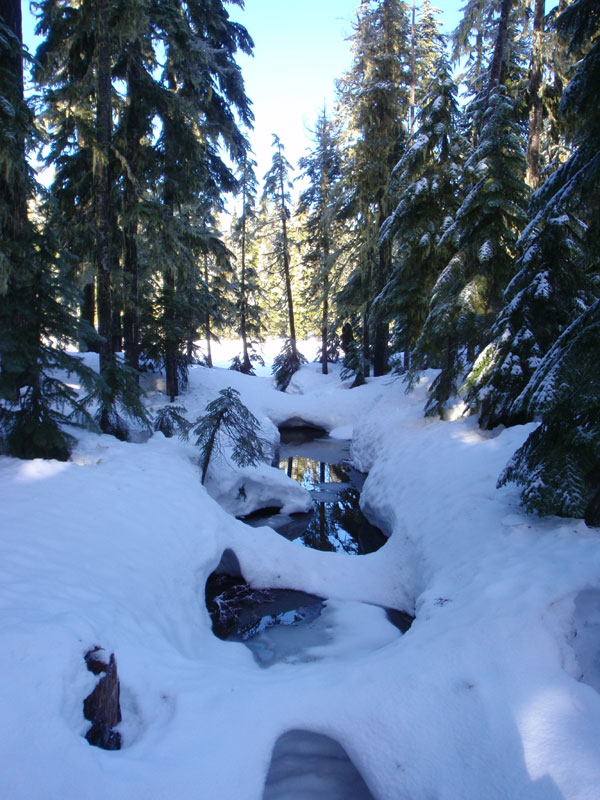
(244, 232)
(548, 292)
(36, 302)
(321, 204)
(559, 464)
(277, 189)
(468, 293)
(227, 420)
(170, 419)
(374, 95)
(425, 184)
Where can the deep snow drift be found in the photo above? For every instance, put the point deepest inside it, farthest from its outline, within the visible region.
(492, 693)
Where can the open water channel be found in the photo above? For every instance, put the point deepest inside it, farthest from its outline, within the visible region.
(288, 626)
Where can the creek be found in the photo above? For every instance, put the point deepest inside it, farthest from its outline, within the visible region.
(285, 625)
(292, 627)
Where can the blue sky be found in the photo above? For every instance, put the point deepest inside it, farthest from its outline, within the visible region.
(301, 48)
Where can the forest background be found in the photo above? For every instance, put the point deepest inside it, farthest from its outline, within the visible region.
(446, 218)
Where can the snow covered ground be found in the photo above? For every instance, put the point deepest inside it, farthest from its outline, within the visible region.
(492, 693)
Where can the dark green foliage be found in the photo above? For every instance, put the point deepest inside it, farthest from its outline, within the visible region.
(425, 187)
(558, 464)
(227, 420)
(118, 400)
(470, 289)
(286, 363)
(547, 293)
(169, 420)
(239, 364)
(354, 363)
(322, 202)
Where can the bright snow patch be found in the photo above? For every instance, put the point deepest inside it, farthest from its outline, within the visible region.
(493, 692)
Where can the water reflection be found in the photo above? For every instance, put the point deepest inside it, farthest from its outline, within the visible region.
(336, 524)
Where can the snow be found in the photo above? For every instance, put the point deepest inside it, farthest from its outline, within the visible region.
(493, 692)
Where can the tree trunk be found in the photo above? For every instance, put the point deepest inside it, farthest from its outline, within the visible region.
(380, 345)
(209, 361)
(13, 193)
(102, 185)
(366, 342)
(246, 363)
(535, 98)
(88, 313)
(171, 344)
(413, 64)
(497, 68)
(171, 376)
(325, 325)
(286, 265)
(133, 134)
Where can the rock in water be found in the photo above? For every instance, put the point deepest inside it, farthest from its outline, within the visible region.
(102, 707)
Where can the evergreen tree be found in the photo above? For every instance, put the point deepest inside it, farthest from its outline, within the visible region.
(321, 203)
(559, 464)
(374, 96)
(35, 300)
(227, 420)
(244, 232)
(425, 186)
(170, 419)
(468, 293)
(277, 189)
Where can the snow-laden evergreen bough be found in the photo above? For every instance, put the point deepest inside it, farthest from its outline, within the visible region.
(228, 422)
(559, 464)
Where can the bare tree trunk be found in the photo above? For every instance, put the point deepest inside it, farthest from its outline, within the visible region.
(246, 363)
(535, 93)
(209, 361)
(498, 65)
(102, 185)
(413, 63)
(131, 332)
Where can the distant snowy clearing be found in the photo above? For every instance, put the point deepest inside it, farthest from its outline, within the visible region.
(492, 693)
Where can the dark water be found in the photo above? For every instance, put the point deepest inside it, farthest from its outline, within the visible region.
(283, 624)
(336, 522)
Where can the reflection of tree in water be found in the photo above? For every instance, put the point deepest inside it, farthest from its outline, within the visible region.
(340, 526)
(336, 525)
(308, 472)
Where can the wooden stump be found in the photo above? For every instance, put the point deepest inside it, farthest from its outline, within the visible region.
(102, 707)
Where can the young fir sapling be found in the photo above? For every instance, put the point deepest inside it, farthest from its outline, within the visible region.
(228, 419)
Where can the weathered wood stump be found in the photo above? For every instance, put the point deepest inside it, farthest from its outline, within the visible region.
(102, 707)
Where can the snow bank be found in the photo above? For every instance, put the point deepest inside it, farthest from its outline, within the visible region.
(487, 695)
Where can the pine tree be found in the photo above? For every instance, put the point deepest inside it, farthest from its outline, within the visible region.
(546, 295)
(468, 293)
(244, 232)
